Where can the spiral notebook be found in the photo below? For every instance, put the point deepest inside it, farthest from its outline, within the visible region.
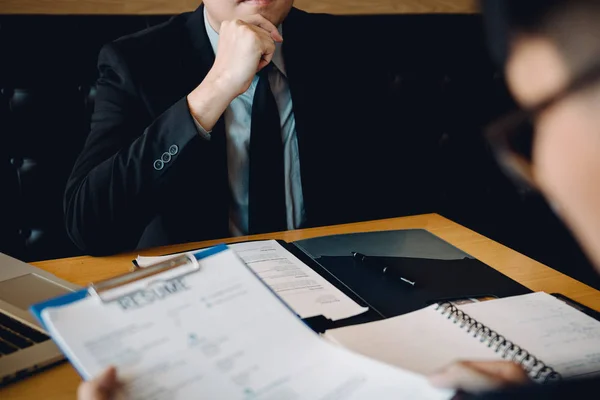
(549, 338)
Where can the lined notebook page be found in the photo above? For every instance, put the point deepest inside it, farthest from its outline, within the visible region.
(556, 333)
(424, 341)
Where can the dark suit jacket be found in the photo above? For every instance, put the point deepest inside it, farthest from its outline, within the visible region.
(576, 389)
(116, 200)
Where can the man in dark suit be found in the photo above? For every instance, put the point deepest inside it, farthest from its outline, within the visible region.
(238, 118)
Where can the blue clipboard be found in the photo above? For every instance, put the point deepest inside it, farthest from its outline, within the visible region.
(317, 323)
(98, 289)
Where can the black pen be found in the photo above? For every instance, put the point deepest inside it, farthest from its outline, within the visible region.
(384, 269)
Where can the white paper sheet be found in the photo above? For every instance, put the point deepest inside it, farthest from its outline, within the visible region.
(424, 341)
(218, 333)
(550, 329)
(304, 290)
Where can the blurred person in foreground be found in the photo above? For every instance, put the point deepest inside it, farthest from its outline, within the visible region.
(550, 50)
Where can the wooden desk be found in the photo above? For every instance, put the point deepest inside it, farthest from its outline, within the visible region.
(61, 382)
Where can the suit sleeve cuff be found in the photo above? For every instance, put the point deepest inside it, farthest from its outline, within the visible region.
(203, 132)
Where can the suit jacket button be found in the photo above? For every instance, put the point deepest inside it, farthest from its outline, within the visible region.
(166, 157)
(173, 149)
(158, 165)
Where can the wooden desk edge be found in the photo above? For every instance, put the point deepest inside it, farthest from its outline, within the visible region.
(521, 268)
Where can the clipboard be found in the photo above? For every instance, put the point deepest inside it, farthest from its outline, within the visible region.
(100, 290)
(104, 290)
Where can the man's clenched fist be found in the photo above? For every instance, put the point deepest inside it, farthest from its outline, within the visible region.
(245, 47)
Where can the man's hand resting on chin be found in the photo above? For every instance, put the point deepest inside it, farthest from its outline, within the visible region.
(245, 47)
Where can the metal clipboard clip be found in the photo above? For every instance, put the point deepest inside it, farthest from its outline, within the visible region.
(106, 291)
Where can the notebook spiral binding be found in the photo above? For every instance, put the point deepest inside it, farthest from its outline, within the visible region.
(536, 369)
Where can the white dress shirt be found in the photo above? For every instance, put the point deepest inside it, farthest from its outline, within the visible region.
(237, 130)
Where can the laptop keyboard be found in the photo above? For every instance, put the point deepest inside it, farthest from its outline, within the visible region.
(15, 335)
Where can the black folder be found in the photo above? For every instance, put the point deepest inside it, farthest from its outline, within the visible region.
(441, 272)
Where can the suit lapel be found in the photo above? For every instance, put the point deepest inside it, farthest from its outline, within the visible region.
(195, 66)
(203, 57)
(292, 55)
(295, 56)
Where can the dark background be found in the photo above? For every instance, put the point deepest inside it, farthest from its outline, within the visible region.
(440, 82)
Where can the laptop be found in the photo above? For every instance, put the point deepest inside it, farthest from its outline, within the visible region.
(24, 346)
